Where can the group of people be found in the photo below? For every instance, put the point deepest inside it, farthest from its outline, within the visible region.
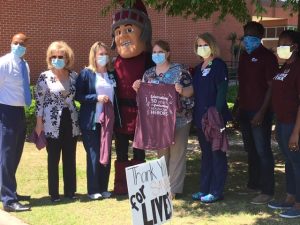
(107, 95)
(265, 89)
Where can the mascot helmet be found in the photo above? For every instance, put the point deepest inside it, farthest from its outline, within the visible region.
(136, 15)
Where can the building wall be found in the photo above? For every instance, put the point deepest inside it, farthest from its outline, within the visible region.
(80, 24)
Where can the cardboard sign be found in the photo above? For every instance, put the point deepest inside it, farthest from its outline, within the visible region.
(149, 192)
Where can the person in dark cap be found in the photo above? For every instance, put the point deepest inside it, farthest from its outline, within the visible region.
(131, 32)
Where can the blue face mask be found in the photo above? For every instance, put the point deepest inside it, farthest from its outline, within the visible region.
(102, 60)
(251, 43)
(58, 63)
(18, 50)
(158, 58)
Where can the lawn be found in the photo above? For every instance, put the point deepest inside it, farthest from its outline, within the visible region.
(234, 210)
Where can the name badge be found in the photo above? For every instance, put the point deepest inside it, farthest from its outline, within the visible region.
(154, 81)
(114, 83)
(254, 59)
(205, 72)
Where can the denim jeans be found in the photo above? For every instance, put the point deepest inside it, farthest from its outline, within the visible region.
(213, 168)
(257, 142)
(292, 159)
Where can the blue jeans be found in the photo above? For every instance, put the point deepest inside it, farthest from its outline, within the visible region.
(292, 159)
(97, 174)
(213, 168)
(257, 142)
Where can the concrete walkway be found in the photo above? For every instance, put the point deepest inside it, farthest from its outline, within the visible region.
(8, 219)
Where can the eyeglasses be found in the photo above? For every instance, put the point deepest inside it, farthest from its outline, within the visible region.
(57, 56)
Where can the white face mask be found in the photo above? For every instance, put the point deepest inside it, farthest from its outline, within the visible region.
(102, 60)
(284, 52)
(204, 51)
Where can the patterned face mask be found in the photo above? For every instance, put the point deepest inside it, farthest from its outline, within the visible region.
(251, 43)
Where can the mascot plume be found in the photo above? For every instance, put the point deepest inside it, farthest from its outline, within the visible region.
(131, 31)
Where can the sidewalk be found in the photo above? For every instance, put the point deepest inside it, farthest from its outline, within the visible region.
(8, 219)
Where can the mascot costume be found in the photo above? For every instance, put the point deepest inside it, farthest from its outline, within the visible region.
(131, 32)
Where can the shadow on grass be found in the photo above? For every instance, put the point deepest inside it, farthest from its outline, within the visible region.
(45, 201)
(236, 198)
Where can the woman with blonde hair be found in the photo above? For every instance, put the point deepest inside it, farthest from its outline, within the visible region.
(210, 82)
(94, 88)
(57, 116)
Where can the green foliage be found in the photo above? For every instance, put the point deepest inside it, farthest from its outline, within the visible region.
(231, 94)
(30, 117)
(197, 9)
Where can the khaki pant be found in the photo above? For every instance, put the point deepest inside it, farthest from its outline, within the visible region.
(176, 158)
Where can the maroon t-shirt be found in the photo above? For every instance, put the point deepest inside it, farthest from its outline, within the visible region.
(254, 71)
(128, 71)
(155, 126)
(286, 91)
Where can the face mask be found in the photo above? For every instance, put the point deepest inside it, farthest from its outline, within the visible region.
(158, 58)
(58, 63)
(102, 60)
(284, 52)
(204, 51)
(18, 50)
(251, 43)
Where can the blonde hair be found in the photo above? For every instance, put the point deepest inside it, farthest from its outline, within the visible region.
(64, 47)
(211, 41)
(92, 56)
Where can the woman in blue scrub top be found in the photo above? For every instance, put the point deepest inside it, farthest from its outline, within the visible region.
(210, 82)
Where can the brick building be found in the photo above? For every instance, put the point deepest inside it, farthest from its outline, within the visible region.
(79, 23)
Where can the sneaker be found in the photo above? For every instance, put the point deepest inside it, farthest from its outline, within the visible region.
(291, 213)
(197, 196)
(106, 194)
(210, 198)
(261, 199)
(95, 196)
(280, 205)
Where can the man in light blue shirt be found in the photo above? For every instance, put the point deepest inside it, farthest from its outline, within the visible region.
(14, 95)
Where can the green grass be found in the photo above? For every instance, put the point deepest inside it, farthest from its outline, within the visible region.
(234, 210)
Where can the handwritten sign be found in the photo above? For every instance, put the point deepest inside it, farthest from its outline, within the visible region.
(149, 192)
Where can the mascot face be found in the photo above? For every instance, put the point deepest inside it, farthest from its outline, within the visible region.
(128, 41)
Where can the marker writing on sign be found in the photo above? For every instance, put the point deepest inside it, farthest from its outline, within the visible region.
(162, 206)
(144, 176)
(139, 196)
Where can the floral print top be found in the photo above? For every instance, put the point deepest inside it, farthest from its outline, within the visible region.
(50, 101)
(177, 73)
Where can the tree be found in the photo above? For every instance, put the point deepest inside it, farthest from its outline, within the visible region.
(197, 9)
(292, 5)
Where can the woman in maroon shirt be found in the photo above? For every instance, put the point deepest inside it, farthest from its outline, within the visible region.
(286, 104)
